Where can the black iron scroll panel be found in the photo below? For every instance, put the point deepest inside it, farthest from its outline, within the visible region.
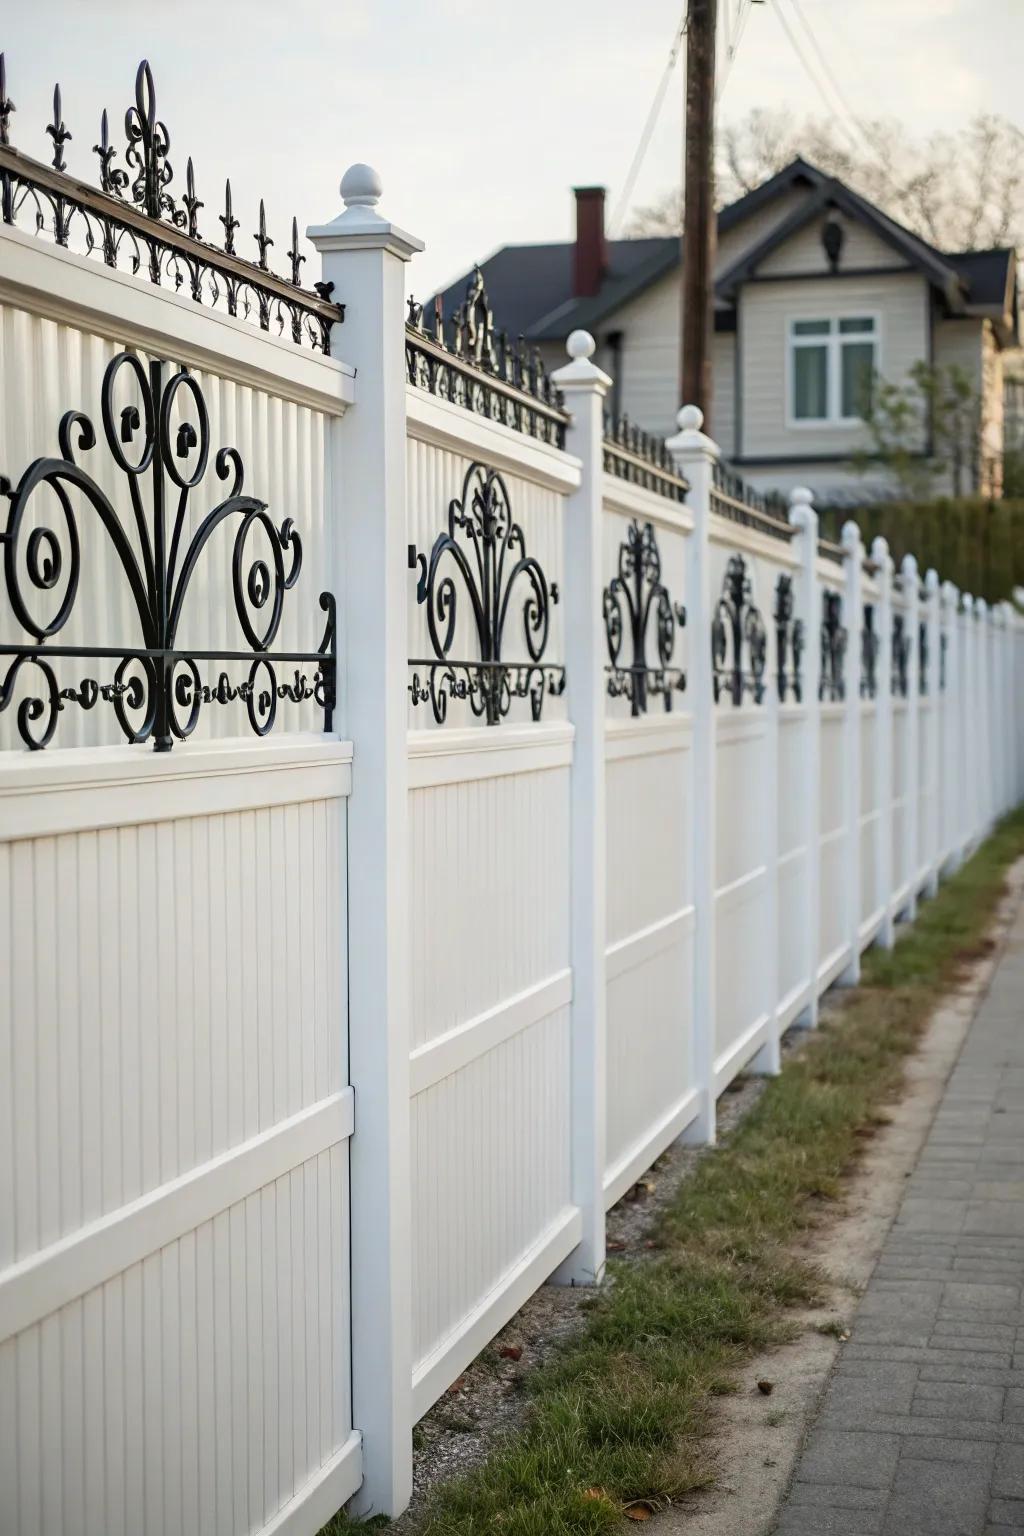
(630, 599)
(900, 656)
(832, 686)
(134, 220)
(869, 644)
(481, 557)
(789, 641)
(464, 360)
(156, 688)
(738, 635)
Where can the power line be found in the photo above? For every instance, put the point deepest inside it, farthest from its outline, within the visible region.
(811, 73)
(652, 117)
(743, 10)
(829, 73)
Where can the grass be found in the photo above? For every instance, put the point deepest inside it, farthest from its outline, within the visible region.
(619, 1421)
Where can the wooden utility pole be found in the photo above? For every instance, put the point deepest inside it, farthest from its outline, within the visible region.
(698, 240)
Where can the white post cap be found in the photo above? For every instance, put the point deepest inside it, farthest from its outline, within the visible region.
(361, 226)
(580, 372)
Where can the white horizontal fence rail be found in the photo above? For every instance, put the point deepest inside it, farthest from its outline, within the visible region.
(321, 1058)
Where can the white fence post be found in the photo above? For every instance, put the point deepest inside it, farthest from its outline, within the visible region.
(912, 768)
(584, 386)
(768, 1060)
(853, 604)
(951, 704)
(883, 740)
(695, 455)
(364, 256)
(982, 677)
(969, 718)
(807, 789)
(933, 629)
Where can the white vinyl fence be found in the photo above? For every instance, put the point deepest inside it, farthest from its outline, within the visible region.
(319, 1053)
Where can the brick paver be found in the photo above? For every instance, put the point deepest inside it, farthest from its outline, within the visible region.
(922, 1429)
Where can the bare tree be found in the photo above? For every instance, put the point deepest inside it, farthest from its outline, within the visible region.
(958, 191)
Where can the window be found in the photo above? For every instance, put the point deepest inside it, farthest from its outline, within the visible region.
(832, 365)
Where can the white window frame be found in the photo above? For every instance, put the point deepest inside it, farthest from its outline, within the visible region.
(833, 343)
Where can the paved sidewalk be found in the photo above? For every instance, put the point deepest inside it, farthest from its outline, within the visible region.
(922, 1429)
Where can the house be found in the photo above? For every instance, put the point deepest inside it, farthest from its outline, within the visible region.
(816, 292)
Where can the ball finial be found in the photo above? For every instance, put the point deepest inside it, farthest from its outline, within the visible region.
(690, 418)
(361, 186)
(801, 496)
(580, 346)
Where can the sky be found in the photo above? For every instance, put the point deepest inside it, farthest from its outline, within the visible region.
(480, 117)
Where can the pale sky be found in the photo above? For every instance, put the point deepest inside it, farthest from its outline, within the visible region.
(479, 117)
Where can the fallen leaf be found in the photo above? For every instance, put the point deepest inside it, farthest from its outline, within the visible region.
(766, 1387)
(615, 1245)
(511, 1351)
(458, 1384)
(638, 1511)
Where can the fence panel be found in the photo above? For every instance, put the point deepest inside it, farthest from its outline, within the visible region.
(651, 1073)
(174, 1231)
(490, 971)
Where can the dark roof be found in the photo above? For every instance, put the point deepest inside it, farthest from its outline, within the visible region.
(835, 194)
(988, 275)
(530, 286)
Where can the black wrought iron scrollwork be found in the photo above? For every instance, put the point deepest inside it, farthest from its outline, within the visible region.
(640, 458)
(738, 632)
(629, 600)
(486, 549)
(869, 644)
(832, 685)
(465, 360)
(789, 641)
(733, 498)
(923, 656)
(156, 687)
(900, 656)
(135, 221)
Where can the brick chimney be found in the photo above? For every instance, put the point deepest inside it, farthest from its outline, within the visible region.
(590, 256)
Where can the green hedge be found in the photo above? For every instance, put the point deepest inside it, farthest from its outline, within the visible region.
(977, 543)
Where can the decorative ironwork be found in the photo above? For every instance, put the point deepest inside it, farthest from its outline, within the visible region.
(156, 688)
(833, 648)
(900, 656)
(641, 459)
(738, 627)
(488, 551)
(923, 657)
(629, 600)
(869, 645)
(134, 220)
(481, 370)
(733, 498)
(789, 641)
